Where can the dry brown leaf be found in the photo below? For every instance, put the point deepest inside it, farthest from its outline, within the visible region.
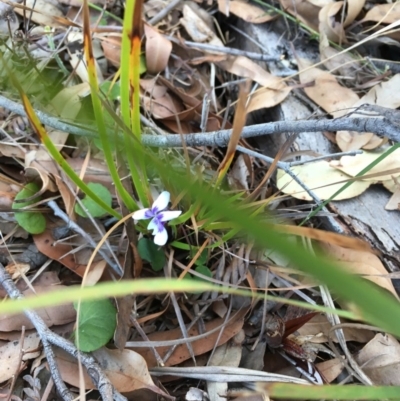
(238, 123)
(330, 369)
(246, 68)
(352, 165)
(47, 245)
(354, 8)
(197, 28)
(384, 13)
(383, 94)
(326, 91)
(126, 370)
(304, 10)
(363, 263)
(111, 45)
(321, 179)
(158, 50)
(266, 97)
(329, 22)
(249, 12)
(343, 64)
(52, 315)
(317, 330)
(274, 90)
(10, 355)
(200, 347)
(380, 360)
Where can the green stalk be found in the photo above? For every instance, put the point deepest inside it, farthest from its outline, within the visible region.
(130, 96)
(98, 112)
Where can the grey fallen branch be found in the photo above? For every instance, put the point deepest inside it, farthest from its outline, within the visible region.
(386, 124)
(100, 380)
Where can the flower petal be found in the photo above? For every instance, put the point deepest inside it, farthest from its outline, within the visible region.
(161, 202)
(161, 237)
(166, 216)
(155, 225)
(142, 214)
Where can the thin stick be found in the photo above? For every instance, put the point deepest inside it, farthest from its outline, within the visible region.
(381, 126)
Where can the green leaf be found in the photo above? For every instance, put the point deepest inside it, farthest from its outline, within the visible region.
(202, 259)
(97, 322)
(111, 91)
(204, 270)
(149, 251)
(32, 222)
(93, 208)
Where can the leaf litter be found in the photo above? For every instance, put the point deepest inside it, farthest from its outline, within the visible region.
(192, 90)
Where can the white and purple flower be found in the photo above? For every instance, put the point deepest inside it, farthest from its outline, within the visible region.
(158, 217)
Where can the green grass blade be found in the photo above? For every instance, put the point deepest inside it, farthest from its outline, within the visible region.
(98, 112)
(51, 148)
(330, 392)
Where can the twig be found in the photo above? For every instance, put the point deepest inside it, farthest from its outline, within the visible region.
(317, 159)
(100, 380)
(284, 166)
(164, 12)
(381, 126)
(58, 212)
(226, 50)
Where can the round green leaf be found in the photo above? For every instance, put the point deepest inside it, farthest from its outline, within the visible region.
(150, 252)
(32, 222)
(93, 208)
(97, 322)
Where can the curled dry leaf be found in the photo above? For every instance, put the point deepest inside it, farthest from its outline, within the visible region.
(126, 370)
(249, 12)
(384, 94)
(380, 360)
(362, 263)
(325, 90)
(354, 8)
(384, 13)
(321, 178)
(352, 165)
(329, 22)
(158, 50)
(10, 354)
(305, 11)
(52, 315)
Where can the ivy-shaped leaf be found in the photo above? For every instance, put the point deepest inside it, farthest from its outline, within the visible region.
(97, 322)
(32, 221)
(93, 208)
(150, 252)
